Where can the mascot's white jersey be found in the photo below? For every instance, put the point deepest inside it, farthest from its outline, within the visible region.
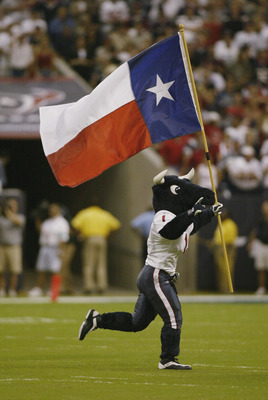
(163, 253)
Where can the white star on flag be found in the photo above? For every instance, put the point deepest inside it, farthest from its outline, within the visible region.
(161, 89)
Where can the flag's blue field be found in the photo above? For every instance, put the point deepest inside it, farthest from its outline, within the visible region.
(41, 357)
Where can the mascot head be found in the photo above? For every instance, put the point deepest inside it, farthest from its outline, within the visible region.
(178, 194)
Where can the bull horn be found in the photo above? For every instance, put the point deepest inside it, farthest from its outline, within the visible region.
(159, 179)
(189, 176)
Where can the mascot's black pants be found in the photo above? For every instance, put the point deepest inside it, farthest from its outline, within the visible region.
(157, 296)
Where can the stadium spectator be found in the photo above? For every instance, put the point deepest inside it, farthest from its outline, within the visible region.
(113, 11)
(94, 225)
(67, 278)
(48, 9)
(5, 41)
(33, 22)
(11, 239)
(247, 38)
(171, 151)
(258, 248)
(186, 160)
(212, 25)
(79, 58)
(261, 66)
(234, 16)
(54, 233)
(44, 57)
(61, 30)
(237, 130)
(4, 159)
(214, 133)
(142, 225)
(203, 175)
(244, 172)
(191, 21)
(199, 51)
(242, 70)
(224, 99)
(169, 8)
(21, 57)
(225, 50)
(140, 37)
(264, 165)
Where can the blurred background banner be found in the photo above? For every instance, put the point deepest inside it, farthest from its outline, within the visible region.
(20, 100)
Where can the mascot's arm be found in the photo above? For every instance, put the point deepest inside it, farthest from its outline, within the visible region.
(197, 215)
(204, 217)
(175, 228)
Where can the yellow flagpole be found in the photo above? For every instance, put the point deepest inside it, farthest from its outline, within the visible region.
(207, 156)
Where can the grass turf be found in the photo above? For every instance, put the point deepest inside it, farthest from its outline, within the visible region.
(41, 357)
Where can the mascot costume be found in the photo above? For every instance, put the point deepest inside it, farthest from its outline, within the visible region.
(181, 209)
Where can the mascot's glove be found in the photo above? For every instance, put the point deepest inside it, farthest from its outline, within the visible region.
(216, 208)
(197, 208)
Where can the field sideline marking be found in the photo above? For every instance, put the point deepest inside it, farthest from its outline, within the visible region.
(236, 298)
(107, 381)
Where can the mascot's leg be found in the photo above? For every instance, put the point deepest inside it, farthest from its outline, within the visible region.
(169, 309)
(161, 294)
(143, 314)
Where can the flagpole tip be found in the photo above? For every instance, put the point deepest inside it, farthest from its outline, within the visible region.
(181, 28)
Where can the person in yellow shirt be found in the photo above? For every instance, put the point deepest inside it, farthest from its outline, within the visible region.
(94, 225)
(230, 233)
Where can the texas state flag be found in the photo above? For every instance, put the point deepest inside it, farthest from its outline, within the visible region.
(146, 100)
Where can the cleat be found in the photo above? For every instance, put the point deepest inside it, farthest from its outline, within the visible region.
(173, 364)
(89, 324)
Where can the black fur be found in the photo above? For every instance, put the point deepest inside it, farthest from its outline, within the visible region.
(179, 196)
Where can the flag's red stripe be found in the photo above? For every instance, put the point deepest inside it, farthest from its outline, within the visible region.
(107, 142)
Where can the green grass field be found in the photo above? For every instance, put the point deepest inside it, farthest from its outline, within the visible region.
(42, 359)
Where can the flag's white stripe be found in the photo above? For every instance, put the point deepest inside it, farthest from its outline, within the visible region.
(62, 123)
(184, 59)
(164, 299)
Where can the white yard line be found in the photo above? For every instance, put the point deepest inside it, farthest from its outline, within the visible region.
(214, 299)
(108, 381)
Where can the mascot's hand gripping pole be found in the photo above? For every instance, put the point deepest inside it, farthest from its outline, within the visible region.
(207, 155)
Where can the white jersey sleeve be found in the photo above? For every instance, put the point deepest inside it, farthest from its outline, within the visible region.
(163, 253)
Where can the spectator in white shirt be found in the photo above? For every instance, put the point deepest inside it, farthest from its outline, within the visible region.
(247, 37)
(226, 50)
(192, 23)
(237, 130)
(264, 164)
(29, 25)
(113, 11)
(54, 234)
(203, 175)
(21, 56)
(170, 9)
(245, 171)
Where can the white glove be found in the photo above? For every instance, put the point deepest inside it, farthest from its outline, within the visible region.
(217, 208)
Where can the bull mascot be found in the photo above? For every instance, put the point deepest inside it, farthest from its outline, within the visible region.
(181, 209)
